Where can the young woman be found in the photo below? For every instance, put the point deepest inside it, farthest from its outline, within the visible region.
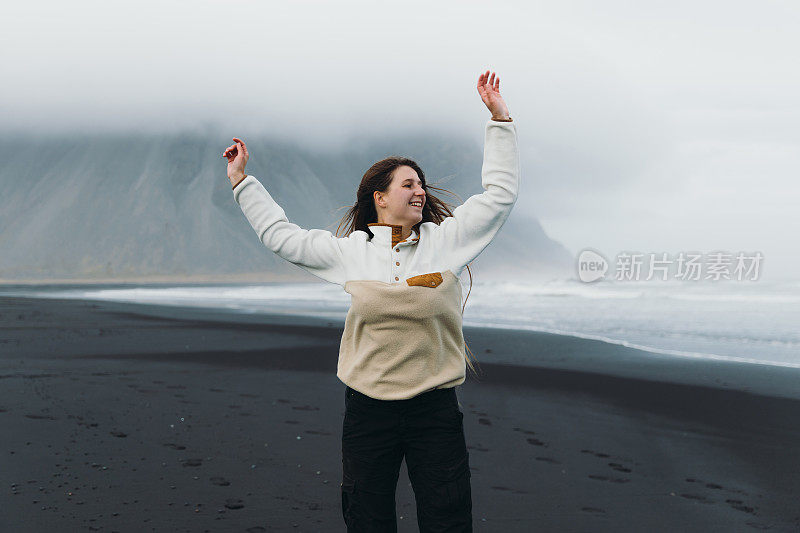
(402, 351)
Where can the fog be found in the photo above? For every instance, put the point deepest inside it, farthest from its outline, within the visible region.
(649, 126)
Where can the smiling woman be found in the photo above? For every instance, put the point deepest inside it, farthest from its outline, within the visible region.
(402, 351)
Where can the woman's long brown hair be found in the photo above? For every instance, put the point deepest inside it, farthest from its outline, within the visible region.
(378, 178)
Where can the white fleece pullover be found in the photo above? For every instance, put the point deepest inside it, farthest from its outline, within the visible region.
(403, 333)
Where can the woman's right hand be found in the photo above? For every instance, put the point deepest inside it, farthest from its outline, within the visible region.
(238, 156)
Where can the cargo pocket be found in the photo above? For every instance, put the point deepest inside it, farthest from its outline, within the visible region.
(368, 504)
(449, 492)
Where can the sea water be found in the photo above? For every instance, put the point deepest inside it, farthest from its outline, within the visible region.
(756, 322)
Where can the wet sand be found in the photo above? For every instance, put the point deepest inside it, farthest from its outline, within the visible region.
(124, 417)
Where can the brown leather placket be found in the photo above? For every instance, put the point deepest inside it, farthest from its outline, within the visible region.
(397, 231)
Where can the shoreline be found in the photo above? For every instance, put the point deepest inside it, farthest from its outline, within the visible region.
(555, 351)
(157, 281)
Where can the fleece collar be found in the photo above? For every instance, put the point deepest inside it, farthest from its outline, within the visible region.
(389, 234)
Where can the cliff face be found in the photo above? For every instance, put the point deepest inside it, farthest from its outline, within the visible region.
(134, 206)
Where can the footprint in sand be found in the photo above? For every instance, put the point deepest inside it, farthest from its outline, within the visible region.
(526, 431)
(716, 486)
(548, 460)
(192, 462)
(41, 417)
(291, 421)
(536, 442)
(596, 454)
(220, 481)
(611, 479)
(234, 503)
(485, 421)
(698, 497)
(305, 408)
(174, 446)
(514, 491)
(592, 510)
(618, 467)
(740, 506)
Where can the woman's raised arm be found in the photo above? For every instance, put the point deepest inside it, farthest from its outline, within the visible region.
(317, 251)
(462, 237)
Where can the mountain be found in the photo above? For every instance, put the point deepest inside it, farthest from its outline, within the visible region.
(143, 206)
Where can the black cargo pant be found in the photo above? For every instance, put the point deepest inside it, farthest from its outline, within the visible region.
(428, 431)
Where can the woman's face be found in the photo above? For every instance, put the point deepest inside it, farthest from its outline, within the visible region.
(396, 205)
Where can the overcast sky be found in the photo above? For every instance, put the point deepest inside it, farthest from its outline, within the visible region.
(650, 126)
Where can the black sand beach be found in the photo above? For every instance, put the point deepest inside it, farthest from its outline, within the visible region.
(124, 417)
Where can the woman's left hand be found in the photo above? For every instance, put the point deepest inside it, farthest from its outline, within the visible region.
(489, 89)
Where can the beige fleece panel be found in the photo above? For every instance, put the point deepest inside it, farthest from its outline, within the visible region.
(401, 340)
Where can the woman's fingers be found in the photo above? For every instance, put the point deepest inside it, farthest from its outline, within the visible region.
(232, 150)
(244, 147)
(489, 80)
(482, 84)
(230, 153)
